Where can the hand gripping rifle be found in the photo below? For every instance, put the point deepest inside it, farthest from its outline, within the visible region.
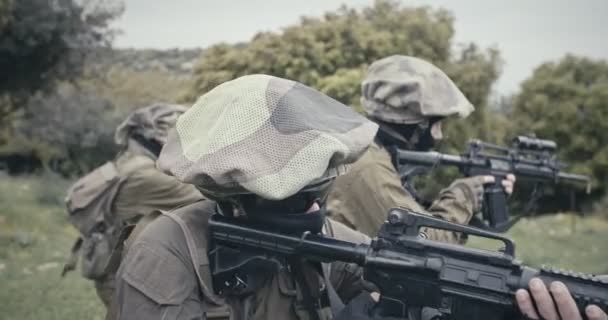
(411, 272)
(529, 159)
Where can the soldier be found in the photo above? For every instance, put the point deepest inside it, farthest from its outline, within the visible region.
(408, 98)
(137, 188)
(266, 150)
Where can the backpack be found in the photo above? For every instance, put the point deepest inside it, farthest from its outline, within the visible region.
(89, 204)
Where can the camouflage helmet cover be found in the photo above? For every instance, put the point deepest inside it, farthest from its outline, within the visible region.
(264, 135)
(408, 90)
(151, 122)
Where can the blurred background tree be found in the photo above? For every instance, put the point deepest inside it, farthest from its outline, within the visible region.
(63, 89)
(43, 42)
(98, 85)
(567, 101)
(332, 54)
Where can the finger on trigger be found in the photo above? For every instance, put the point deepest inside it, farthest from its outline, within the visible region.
(544, 302)
(524, 301)
(566, 305)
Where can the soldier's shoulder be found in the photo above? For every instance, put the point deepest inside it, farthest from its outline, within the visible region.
(165, 231)
(375, 156)
(340, 231)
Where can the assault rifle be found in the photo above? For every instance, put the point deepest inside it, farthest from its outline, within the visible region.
(529, 159)
(411, 272)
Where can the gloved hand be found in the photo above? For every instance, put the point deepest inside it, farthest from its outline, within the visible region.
(563, 308)
(472, 188)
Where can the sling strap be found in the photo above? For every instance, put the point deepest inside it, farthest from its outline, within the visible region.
(207, 293)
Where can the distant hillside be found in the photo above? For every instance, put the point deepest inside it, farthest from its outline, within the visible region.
(173, 61)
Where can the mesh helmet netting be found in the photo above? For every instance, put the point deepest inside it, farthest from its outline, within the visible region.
(264, 135)
(151, 122)
(403, 89)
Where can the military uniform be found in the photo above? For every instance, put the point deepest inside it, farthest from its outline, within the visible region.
(362, 197)
(265, 149)
(146, 189)
(406, 96)
(157, 279)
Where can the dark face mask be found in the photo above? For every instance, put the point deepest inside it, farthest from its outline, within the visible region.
(288, 215)
(418, 136)
(425, 141)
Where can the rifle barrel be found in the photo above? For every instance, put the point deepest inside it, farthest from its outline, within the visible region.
(430, 159)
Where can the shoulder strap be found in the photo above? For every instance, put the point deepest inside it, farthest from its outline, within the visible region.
(70, 265)
(335, 302)
(309, 301)
(207, 293)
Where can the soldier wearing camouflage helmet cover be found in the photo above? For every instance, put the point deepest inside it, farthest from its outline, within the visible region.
(408, 98)
(266, 150)
(144, 188)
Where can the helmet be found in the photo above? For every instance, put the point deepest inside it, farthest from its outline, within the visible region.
(265, 136)
(407, 90)
(151, 123)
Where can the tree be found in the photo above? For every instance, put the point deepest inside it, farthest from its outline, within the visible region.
(43, 41)
(332, 53)
(69, 147)
(567, 101)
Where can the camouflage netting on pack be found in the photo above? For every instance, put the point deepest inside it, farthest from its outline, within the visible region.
(402, 89)
(264, 135)
(151, 122)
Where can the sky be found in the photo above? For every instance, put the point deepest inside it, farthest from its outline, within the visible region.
(527, 32)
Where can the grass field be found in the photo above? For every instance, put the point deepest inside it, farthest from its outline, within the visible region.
(35, 238)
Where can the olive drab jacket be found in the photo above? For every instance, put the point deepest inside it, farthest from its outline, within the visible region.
(362, 197)
(148, 189)
(145, 189)
(158, 277)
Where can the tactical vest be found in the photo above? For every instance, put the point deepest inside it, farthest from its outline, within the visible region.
(193, 224)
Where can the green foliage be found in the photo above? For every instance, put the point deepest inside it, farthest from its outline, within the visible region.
(44, 41)
(69, 147)
(567, 101)
(35, 238)
(130, 89)
(332, 53)
(565, 241)
(112, 87)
